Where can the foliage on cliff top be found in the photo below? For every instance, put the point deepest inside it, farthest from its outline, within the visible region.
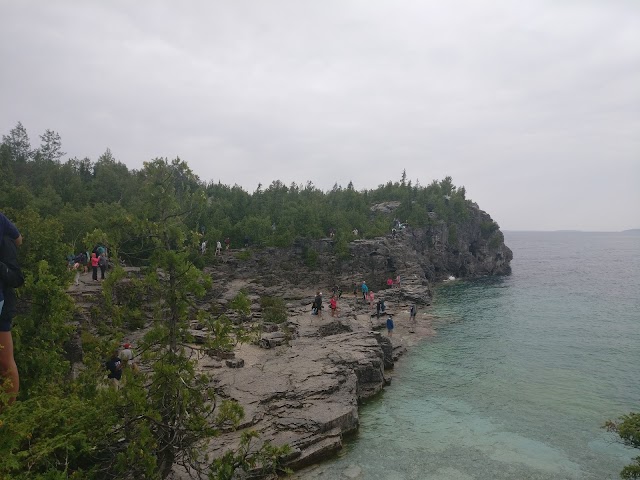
(84, 197)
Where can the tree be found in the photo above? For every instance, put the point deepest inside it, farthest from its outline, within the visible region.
(51, 147)
(18, 143)
(628, 428)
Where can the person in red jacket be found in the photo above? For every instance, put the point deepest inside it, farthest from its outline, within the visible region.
(94, 266)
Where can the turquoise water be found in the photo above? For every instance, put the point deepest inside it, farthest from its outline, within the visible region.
(520, 376)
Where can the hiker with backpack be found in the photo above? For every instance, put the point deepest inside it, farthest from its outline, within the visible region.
(10, 278)
(103, 263)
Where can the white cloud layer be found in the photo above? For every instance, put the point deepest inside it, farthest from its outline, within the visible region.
(533, 105)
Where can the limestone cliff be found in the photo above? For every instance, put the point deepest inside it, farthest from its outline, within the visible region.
(470, 248)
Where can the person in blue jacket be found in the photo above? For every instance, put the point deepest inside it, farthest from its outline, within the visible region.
(365, 291)
(390, 326)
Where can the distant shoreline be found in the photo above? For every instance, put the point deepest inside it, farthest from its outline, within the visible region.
(632, 231)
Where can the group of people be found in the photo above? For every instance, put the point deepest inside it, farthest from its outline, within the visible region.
(97, 259)
(367, 296)
(10, 278)
(119, 360)
(227, 246)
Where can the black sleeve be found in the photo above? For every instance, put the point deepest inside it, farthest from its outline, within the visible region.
(10, 272)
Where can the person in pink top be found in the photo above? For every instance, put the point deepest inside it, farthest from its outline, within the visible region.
(94, 266)
(333, 303)
(371, 296)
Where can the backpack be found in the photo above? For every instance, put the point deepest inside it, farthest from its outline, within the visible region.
(103, 262)
(10, 273)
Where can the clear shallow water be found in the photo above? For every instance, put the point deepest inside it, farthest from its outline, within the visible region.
(520, 376)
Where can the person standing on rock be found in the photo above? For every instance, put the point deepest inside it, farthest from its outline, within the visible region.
(378, 306)
(227, 243)
(365, 291)
(333, 303)
(94, 266)
(390, 326)
(412, 313)
(318, 302)
(103, 263)
(218, 248)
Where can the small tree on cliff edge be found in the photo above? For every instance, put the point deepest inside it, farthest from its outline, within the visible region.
(628, 428)
(171, 411)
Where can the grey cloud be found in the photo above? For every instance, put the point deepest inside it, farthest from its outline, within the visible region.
(531, 105)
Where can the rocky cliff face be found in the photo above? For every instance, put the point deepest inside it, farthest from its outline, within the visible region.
(419, 256)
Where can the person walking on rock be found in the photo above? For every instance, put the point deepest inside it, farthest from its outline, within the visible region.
(218, 249)
(333, 303)
(412, 316)
(365, 291)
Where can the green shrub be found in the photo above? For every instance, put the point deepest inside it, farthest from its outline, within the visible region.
(273, 309)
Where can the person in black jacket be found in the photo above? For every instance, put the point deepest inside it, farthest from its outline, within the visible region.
(10, 278)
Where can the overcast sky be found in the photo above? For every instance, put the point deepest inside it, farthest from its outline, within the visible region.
(532, 105)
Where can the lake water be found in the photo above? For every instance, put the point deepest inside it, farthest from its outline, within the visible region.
(520, 376)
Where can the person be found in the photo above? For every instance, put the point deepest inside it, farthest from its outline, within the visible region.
(398, 280)
(94, 266)
(10, 278)
(10, 230)
(383, 307)
(355, 289)
(378, 306)
(126, 356)
(76, 268)
(218, 248)
(371, 298)
(114, 365)
(203, 247)
(246, 241)
(355, 232)
(412, 316)
(103, 263)
(393, 232)
(227, 243)
(389, 326)
(319, 304)
(365, 291)
(333, 303)
(390, 282)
